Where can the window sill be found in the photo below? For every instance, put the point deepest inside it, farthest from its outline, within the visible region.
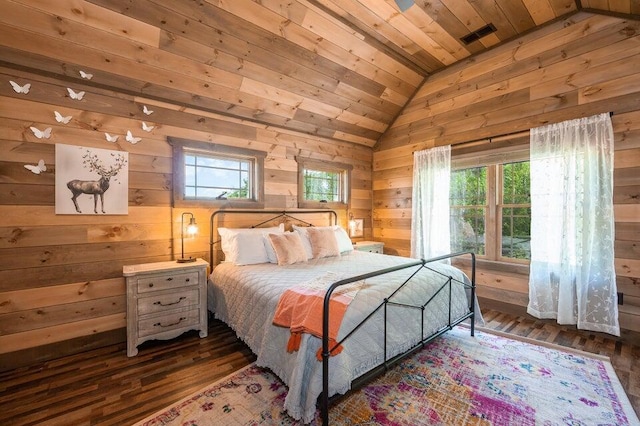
(220, 204)
(494, 265)
(320, 205)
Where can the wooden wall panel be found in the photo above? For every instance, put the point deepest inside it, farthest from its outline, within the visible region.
(61, 275)
(193, 54)
(574, 68)
(299, 79)
(43, 253)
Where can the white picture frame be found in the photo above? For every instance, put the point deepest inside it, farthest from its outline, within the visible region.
(356, 228)
(91, 181)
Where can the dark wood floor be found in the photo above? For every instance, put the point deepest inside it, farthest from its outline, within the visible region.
(105, 387)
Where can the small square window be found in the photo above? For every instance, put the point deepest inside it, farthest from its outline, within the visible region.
(206, 174)
(323, 183)
(209, 176)
(320, 185)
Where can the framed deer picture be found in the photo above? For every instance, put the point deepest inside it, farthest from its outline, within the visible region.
(91, 180)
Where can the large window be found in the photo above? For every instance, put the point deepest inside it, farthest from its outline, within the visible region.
(469, 208)
(323, 183)
(211, 174)
(515, 210)
(491, 210)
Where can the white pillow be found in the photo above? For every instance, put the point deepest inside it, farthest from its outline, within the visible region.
(344, 242)
(246, 246)
(271, 253)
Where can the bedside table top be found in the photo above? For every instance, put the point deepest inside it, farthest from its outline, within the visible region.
(129, 270)
(367, 243)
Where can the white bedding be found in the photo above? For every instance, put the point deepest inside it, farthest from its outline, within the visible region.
(246, 297)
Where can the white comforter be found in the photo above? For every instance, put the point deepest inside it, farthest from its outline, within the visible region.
(246, 297)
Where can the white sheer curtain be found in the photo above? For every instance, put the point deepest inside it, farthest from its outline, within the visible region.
(572, 274)
(430, 203)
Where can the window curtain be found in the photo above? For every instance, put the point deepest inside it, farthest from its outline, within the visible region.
(572, 274)
(430, 203)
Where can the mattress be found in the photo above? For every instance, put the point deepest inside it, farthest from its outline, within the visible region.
(246, 297)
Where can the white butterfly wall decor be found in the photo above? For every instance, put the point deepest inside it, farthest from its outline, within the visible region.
(75, 95)
(41, 134)
(147, 128)
(111, 138)
(86, 75)
(131, 138)
(37, 169)
(62, 119)
(146, 110)
(20, 89)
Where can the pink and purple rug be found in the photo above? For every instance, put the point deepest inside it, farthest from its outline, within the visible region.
(455, 380)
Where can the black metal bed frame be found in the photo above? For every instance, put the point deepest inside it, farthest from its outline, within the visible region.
(389, 362)
(419, 264)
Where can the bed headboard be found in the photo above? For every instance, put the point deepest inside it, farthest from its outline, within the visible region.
(263, 218)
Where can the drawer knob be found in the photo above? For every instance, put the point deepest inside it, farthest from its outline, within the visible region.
(187, 279)
(170, 279)
(150, 284)
(171, 303)
(159, 324)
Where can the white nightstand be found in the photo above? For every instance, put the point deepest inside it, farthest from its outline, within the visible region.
(164, 300)
(370, 246)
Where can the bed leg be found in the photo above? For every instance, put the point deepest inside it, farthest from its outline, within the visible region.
(473, 293)
(324, 397)
(473, 324)
(324, 408)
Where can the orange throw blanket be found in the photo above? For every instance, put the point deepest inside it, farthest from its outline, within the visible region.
(300, 309)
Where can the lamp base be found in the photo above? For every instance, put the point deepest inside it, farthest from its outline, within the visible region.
(186, 259)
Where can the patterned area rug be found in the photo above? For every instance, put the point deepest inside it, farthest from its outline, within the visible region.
(455, 380)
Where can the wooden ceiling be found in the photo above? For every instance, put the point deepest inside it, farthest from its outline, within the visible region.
(428, 36)
(341, 69)
(382, 55)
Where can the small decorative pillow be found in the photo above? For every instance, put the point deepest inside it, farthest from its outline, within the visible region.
(323, 242)
(288, 248)
(344, 242)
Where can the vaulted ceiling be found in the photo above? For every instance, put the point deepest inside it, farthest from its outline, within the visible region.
(342, 69)
(429, 35)
(365, 58)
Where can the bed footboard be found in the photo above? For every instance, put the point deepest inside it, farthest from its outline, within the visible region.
(448, 282)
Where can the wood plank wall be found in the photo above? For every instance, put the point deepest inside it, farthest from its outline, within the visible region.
(61, 285)
(581, 66)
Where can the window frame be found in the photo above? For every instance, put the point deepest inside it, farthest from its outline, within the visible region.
(501, 205)
(180, 146)
(494, 161)
(324, 166)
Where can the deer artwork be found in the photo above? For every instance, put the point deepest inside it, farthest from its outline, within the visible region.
(95, 187)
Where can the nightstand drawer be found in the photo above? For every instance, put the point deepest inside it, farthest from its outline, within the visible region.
(167, 301)
(168, 322)
(165, 282)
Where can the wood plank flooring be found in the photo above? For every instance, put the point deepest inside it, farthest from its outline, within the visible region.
(105, 387)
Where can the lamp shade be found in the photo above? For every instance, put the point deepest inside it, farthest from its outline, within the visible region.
(192, 229)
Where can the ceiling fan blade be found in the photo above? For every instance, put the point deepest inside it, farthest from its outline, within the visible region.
(404, 4)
